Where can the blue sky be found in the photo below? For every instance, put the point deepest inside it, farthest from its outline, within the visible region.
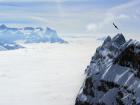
(74, 17)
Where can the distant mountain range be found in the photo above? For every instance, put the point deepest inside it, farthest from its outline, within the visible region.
(10, 36)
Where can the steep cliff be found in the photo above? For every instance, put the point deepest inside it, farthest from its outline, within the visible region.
(113, 76)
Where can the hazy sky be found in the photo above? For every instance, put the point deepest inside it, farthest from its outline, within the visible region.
(74, 17)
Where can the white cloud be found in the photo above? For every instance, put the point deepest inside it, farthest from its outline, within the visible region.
(38, 74)
(123, 16)
(120, 14)
(125, 6)
(91, 27)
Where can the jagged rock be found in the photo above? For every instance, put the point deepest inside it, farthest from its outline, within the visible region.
(113, 76)
(119, 39)
(107, 40)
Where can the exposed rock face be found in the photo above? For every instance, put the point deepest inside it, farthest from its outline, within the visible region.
(113, 76)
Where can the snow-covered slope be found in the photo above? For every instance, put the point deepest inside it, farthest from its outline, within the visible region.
(113, 76)
(29, 34)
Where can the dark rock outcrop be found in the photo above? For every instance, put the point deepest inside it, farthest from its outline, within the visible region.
(113, 76)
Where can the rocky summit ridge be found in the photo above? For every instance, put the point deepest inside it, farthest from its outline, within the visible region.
(113, 76)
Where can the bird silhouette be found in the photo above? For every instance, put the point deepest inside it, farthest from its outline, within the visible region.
(115, 26)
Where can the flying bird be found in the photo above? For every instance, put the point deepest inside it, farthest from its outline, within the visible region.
(115, 26)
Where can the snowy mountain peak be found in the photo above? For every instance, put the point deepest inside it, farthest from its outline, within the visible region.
(3, 26)
(119, 39)
(29, 35)
(107, 40)
(113, 76)
(50, 31)
(9, 36)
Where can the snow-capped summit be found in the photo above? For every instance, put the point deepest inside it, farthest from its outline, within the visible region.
(50, 33)
(29, 34)
(107, 40)
(3, 26)
(51, 36)
(9, 36)
(113, 76)
(119, 39)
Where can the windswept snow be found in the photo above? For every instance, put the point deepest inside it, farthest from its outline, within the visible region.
(44, 74)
